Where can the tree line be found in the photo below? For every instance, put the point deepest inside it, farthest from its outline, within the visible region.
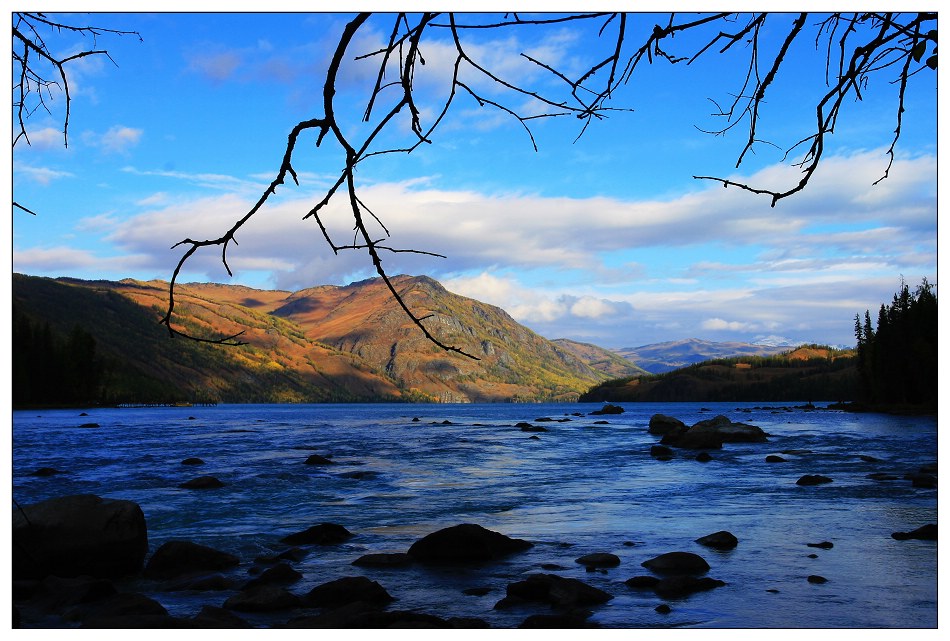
(897, 360)
(50, 368)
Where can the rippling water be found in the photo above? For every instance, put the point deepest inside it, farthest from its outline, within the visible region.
(580, 487)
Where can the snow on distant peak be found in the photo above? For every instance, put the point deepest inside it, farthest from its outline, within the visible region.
(775, 341)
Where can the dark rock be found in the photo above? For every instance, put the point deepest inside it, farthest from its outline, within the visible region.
(868, 459)
(192, 460)
(476, 591)
(925, 481)
(553, 589)
(466, 543)
(824, 545)
(929, 468)
(57, 594)
(89, 425)
(721, 540)
(117, 605)
(642, 582)
(200, 583)
(46, 471)
(214, 617)
(713, 432)
(392, 559)
(812, 556)
(202, 483)
(814, 578)
(350, 589)
(280, 573)
(774, 458)
(359, 475)
(661, 452)
(663, 609)
(677, 563)
(179, 558)
(813, 479)
(923, 533)
(599, 560)
(704, 457)
(138, 622)
(322, 534)
(263, 598)
(79, 535)
(661, 425)
(316, 459)
(672, 587)
(528, 427)
(560, 621)
(608, 409)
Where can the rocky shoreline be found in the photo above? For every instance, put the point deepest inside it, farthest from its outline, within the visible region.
(82, 562)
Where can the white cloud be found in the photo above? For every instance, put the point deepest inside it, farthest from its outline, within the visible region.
(117, 140)
(40, 175)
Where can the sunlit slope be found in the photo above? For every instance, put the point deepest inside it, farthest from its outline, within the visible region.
(325, 343)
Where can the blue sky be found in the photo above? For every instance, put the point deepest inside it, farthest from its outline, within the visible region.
(605, 239)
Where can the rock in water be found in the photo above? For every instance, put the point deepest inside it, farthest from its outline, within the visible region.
(177, 558)
(79, 535)
(466, 543)
(677, 563)
(722, 540)
(923, 533)
(322, 534)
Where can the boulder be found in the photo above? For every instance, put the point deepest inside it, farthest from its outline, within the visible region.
(704, 457)
(350, 589)
(721, 540)
(608, 409)
(923, 533)
(661, 425)
(79, 535)
(316, 459)
(280, 573)
(642, 582)
(713, 432)
(813, 479)
(555, 590)
(192, 460)
(599, 560)
(677, 563)
(263, 598)
(465, 543)
(202, 483)
(179, 558)
(661, 452)
(322, 534)
(384, 560)
(672, 587)
(775, 458)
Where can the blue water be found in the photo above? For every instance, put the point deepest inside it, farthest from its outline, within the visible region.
(580, 487)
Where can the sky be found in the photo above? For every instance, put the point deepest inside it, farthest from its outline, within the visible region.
(603, 236)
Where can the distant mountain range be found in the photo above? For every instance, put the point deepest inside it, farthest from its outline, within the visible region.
(327, 343)
(665, 357)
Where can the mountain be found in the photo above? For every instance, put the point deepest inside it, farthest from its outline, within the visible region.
(807, 373)
(325, 343)
(664, 357)
(604, 360)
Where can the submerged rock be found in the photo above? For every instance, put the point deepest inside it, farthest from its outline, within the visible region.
(79, 535)
(202, 483)
(465, 543)
(924, 533)
(263, 598)
(813, 479)
(316, 459)
(384, 560)
(684, 585)
(556, 590)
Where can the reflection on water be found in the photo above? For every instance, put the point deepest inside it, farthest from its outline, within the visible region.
(574, 489)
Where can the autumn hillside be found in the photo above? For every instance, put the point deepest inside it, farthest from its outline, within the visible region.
(807, 373)
(327, 343)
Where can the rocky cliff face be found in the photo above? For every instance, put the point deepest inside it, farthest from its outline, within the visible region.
(323, 343)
